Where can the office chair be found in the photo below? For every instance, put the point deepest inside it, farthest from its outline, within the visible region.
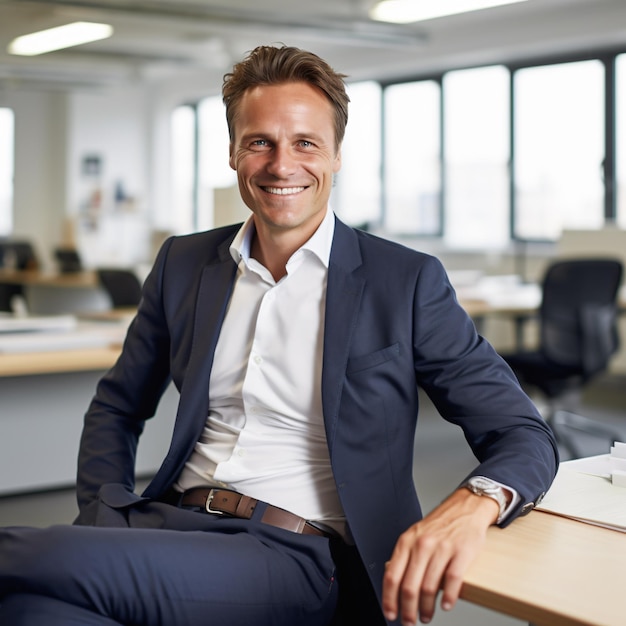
(15, 255)
(577, 338)
(68, 260)
(18, 255)
(122, 285)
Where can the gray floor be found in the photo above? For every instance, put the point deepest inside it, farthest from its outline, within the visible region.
(442, 459)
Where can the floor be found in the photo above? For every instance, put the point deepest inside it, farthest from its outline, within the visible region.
(442, 459)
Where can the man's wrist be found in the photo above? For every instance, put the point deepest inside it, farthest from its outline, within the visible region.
(482, 486)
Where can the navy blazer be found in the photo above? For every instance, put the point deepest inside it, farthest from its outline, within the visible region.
(392, 324)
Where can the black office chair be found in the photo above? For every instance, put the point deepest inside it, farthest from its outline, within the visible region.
(15, 255)
(68, 260)
(578, 337)
(122, 285)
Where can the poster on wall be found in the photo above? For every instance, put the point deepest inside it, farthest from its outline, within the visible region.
(91, 191)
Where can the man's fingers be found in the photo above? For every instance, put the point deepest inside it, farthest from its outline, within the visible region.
(392, 579)
(433, 580)
(434, 555)
(411, 589)
(453, 579)
(405, 590)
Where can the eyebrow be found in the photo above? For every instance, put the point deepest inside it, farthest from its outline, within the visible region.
(312, 136)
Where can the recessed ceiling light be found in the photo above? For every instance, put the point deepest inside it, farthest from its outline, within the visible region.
(60, 37)
(406, 11)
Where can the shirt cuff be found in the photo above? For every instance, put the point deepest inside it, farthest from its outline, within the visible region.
(515, 498)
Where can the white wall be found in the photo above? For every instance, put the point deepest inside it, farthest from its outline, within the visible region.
(128, 126)
(115, 126)
(40, 155)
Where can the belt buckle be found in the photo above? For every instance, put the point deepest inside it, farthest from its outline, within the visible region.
(207, 505)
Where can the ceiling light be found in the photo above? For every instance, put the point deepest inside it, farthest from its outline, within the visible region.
(60, 37)
(405, 11)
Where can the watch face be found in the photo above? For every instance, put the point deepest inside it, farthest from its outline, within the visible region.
(486, 487)
(483, 484)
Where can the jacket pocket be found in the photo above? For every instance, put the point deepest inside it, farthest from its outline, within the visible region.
(373, 359)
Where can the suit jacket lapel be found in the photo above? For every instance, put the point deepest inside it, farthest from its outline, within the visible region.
(343, 299)
(216, 284)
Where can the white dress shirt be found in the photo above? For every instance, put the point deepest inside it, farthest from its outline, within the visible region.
(264, 435)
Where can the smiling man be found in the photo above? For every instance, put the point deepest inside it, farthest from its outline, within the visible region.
(298, 346)
(285, 153)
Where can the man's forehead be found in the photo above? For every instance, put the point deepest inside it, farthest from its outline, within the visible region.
(294, 89)
(305, 108)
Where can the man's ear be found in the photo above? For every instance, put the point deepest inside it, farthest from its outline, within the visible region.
(337, 162)
(231, 159)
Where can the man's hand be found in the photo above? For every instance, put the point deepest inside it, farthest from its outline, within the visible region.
(434, 554)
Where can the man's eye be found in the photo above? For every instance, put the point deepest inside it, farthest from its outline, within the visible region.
(306, 144)
(259, 142)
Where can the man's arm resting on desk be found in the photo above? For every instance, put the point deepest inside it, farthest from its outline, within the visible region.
(434, 554)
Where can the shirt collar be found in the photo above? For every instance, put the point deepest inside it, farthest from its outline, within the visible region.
(319, 244)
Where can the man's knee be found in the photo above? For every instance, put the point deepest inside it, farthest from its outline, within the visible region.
(25, 609)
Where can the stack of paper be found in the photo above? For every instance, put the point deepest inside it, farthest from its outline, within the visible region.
(54, 333)
(617, 462)
(36, 323)
(585, 490)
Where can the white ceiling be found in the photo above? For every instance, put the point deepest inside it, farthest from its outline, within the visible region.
(154, 39)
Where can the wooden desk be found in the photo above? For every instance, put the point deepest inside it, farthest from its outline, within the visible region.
(81, 280)
(519, 313)
(31, 363)
(477, 307)
(41, 418)
(551, 571)
(480, 308)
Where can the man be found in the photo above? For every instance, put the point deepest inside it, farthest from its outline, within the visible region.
(296, 344)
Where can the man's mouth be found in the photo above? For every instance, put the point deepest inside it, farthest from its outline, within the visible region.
(284, 191)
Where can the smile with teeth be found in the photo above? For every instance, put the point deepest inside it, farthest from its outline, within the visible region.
(284, 191)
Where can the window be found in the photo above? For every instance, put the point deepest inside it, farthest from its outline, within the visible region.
(183, 202)
(559, 149)
(412, 158)
(7, 142)
(476, 158)
(214, 171)
(357, 194)
(620, 139)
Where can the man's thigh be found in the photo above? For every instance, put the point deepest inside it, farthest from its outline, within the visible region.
(23, 609)
(237, 572)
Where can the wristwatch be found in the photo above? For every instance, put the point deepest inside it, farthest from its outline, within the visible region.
(482, 486)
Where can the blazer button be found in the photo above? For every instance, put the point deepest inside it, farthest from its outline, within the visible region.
(527, 508)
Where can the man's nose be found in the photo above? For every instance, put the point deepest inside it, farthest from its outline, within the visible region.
(282, 162)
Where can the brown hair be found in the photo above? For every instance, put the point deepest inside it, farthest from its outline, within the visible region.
(269, 65)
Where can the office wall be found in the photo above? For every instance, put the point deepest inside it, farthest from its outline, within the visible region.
(40, 154)
(127, 126)
(110, 208)
(164, 96)
(54, 131)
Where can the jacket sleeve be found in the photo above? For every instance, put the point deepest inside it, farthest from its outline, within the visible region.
(473, 387)
(126, 397)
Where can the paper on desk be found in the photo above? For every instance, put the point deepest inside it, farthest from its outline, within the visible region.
(36, 323)
(84, 336)
(582, 490)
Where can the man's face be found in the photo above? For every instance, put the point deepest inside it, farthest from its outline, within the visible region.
(284, 153)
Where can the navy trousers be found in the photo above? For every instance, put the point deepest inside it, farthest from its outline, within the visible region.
(159, 565)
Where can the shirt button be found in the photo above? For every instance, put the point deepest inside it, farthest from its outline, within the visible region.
(241, 452)
(258, 360)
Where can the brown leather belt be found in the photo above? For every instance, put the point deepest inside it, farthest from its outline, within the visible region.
(226, 502)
